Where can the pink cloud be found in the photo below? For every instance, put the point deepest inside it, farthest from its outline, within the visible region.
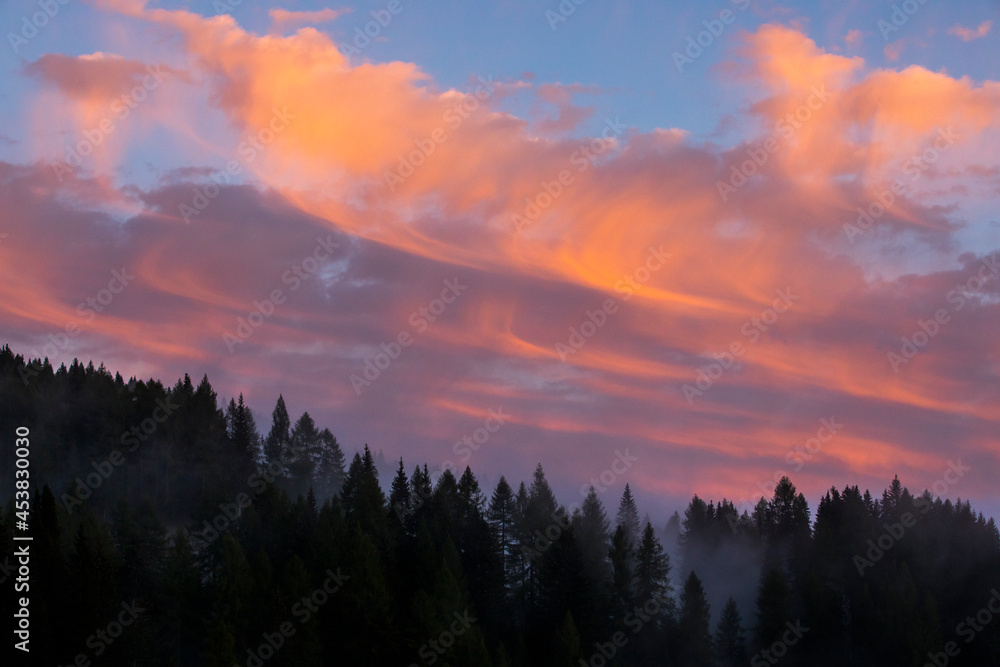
(603, 202)
(969, 34)
(283, 17)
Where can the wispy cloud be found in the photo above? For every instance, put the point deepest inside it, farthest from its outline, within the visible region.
(969, 34)
(281, 18)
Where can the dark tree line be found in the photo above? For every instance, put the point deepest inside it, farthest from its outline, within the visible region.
(222, 542)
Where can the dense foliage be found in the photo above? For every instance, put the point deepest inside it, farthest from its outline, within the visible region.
(170, 530)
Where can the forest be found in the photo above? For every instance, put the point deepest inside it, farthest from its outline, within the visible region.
(171, 528)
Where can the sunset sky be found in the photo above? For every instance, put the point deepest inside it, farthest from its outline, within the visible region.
(689, 231)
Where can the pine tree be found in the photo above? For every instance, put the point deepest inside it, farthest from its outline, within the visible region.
(622, 559)
(181, 592)
(93, 569)
(565, 650)
(652, 573)
(303, 453)
(399, 494)
(470, 493)
(628, 517)
(349, 494)
(280, 435)
(242, 431)
(693, 624)
(140, 540)
(593, 535)
(730, 638)
(232, 590)
(773, 606)
(524, 552)
(672, 533)
(542, 519)
(542, 503)
(362, 498)
(330, 471)
(693, 540)
(501, 518)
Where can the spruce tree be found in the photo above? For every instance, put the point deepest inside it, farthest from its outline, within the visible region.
(652, 573)
(303, 452)
(730, 638)
(242, 431)
(280, 435)
(501, 518)
(399, 494)
(622, 559)
(628, 517)
(694, 624)
(330, 470)
(593, 535)
(773, 605)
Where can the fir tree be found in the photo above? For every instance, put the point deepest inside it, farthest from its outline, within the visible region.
(280, 435)
(694, 624)
(730, 638)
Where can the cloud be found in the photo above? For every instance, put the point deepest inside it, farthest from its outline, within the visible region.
(281, 18)
(969, 34)
(893, 50)
(95, 77)
(597, 207)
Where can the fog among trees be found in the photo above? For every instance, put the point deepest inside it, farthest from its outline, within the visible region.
(228, 537)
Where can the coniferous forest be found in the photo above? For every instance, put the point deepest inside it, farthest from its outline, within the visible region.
(173, 527)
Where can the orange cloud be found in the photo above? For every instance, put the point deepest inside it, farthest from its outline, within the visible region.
(283, 17)
(969, 34)
(426, 182)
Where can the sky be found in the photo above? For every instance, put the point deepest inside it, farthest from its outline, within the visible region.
(691, 248)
